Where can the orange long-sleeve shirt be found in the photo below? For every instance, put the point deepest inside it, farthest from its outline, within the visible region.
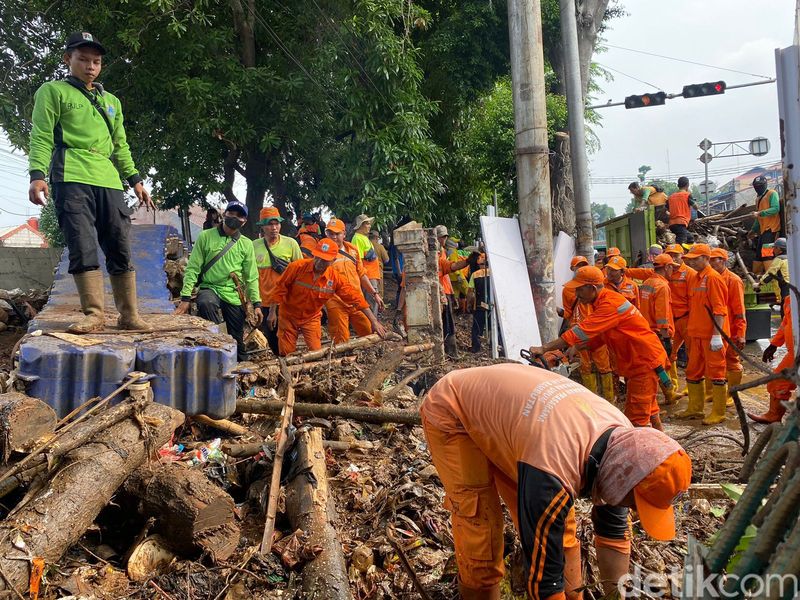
(678, 287)
(616, 322)
(350, 266)
(627, 288)
(569, 299)
(445, 267)
(655, 303)
(785, 334)
(737, 317)
(707, 292)
(301, 295)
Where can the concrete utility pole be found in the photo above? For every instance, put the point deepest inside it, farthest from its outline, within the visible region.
(533, 176)
(577, 130)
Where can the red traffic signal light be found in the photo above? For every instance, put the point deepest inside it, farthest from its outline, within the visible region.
(712, 88)
(656, 99)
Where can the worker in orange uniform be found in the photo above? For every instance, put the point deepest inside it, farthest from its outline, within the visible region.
(679, 299)
(767, 224)
(273, 253)
(309, 233)
(616, 322)
(611, 253)
(306, 285)
(445, 285)
(656, 306)
(342, 314)
(679, 209)
(617, 279)
(737, 320)
(780, 390)
(708, 298)
(540, 441)
(574, 312)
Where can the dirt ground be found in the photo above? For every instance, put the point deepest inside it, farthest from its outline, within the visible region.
(391, 491)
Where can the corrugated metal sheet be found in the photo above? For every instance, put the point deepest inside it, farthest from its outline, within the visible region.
(192, 367)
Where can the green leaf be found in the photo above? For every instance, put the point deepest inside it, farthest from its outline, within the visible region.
(732, 490)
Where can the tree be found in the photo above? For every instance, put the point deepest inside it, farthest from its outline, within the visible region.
(600, 214)
(48, 225)
(312, 102)
(643, 171)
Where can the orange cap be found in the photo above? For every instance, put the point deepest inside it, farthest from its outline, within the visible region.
(719, 253)
(699, 250)
(656, 492)
(577, 260)
(617, 263)
(267, 214)
(335, 225)
(662, 260)
(326, 249)
(613, 252)
(589, 276)
(674, 249)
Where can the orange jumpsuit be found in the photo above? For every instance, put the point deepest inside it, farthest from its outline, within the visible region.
(533, 449)
(445, 268)
(574, 313)
(782, 388)
(679, 298)
(627, 288)
(656, 305)
(343, 314)
(736, 317)
(707, 291)
(300, 297)
(307, 237)
(616, 322)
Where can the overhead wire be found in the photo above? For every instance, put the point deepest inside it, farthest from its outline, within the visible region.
(691, 62)
(276, 38)
(658, 87)
(722, 171)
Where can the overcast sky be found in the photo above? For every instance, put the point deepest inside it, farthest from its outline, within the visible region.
(735, 34)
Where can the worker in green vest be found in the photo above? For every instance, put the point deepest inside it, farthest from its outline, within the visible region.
(78, 138)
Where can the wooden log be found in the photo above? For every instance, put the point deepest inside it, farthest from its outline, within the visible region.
(281, 442)
(365, 414)
(223, 425)
(23, 421)
(189, 509)
(354, 344)
(377, 374)
(245, 450)
(310, 507)
(58, 516)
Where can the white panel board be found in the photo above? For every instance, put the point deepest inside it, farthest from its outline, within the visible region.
(563, 251)
(512, 291)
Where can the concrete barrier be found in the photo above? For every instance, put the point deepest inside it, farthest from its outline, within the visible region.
(28, 268)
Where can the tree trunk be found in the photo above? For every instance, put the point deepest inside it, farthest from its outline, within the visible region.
(57, 517)
(255, 172)
(310, 507)
(562, 198)
(193, 514)
(23, 421)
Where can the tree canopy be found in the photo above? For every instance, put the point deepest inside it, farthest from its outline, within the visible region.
(379, 106)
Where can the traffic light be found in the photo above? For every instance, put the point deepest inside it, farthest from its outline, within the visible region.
(711, 88)
(656, 99)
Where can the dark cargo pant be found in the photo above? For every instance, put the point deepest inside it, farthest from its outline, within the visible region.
(208, 307)
(81, 209)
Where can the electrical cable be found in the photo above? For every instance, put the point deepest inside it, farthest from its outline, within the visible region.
(691, 62)
(658, 87)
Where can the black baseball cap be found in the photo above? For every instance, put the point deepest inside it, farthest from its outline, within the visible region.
(82, 39)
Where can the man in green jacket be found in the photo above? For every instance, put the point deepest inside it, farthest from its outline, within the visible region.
(77, 135)
(217, 253)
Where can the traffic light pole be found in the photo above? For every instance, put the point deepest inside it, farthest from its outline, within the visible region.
(577, 130)
(705, 188)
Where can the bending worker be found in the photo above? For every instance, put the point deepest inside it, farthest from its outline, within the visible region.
(780, 390)
(306, 285)
(574, 313)
(547, 442)
(656, 306)
(616, 322)
(342, 314)
(708, 299)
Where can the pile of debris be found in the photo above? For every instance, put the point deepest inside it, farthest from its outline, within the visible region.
(17, 307)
